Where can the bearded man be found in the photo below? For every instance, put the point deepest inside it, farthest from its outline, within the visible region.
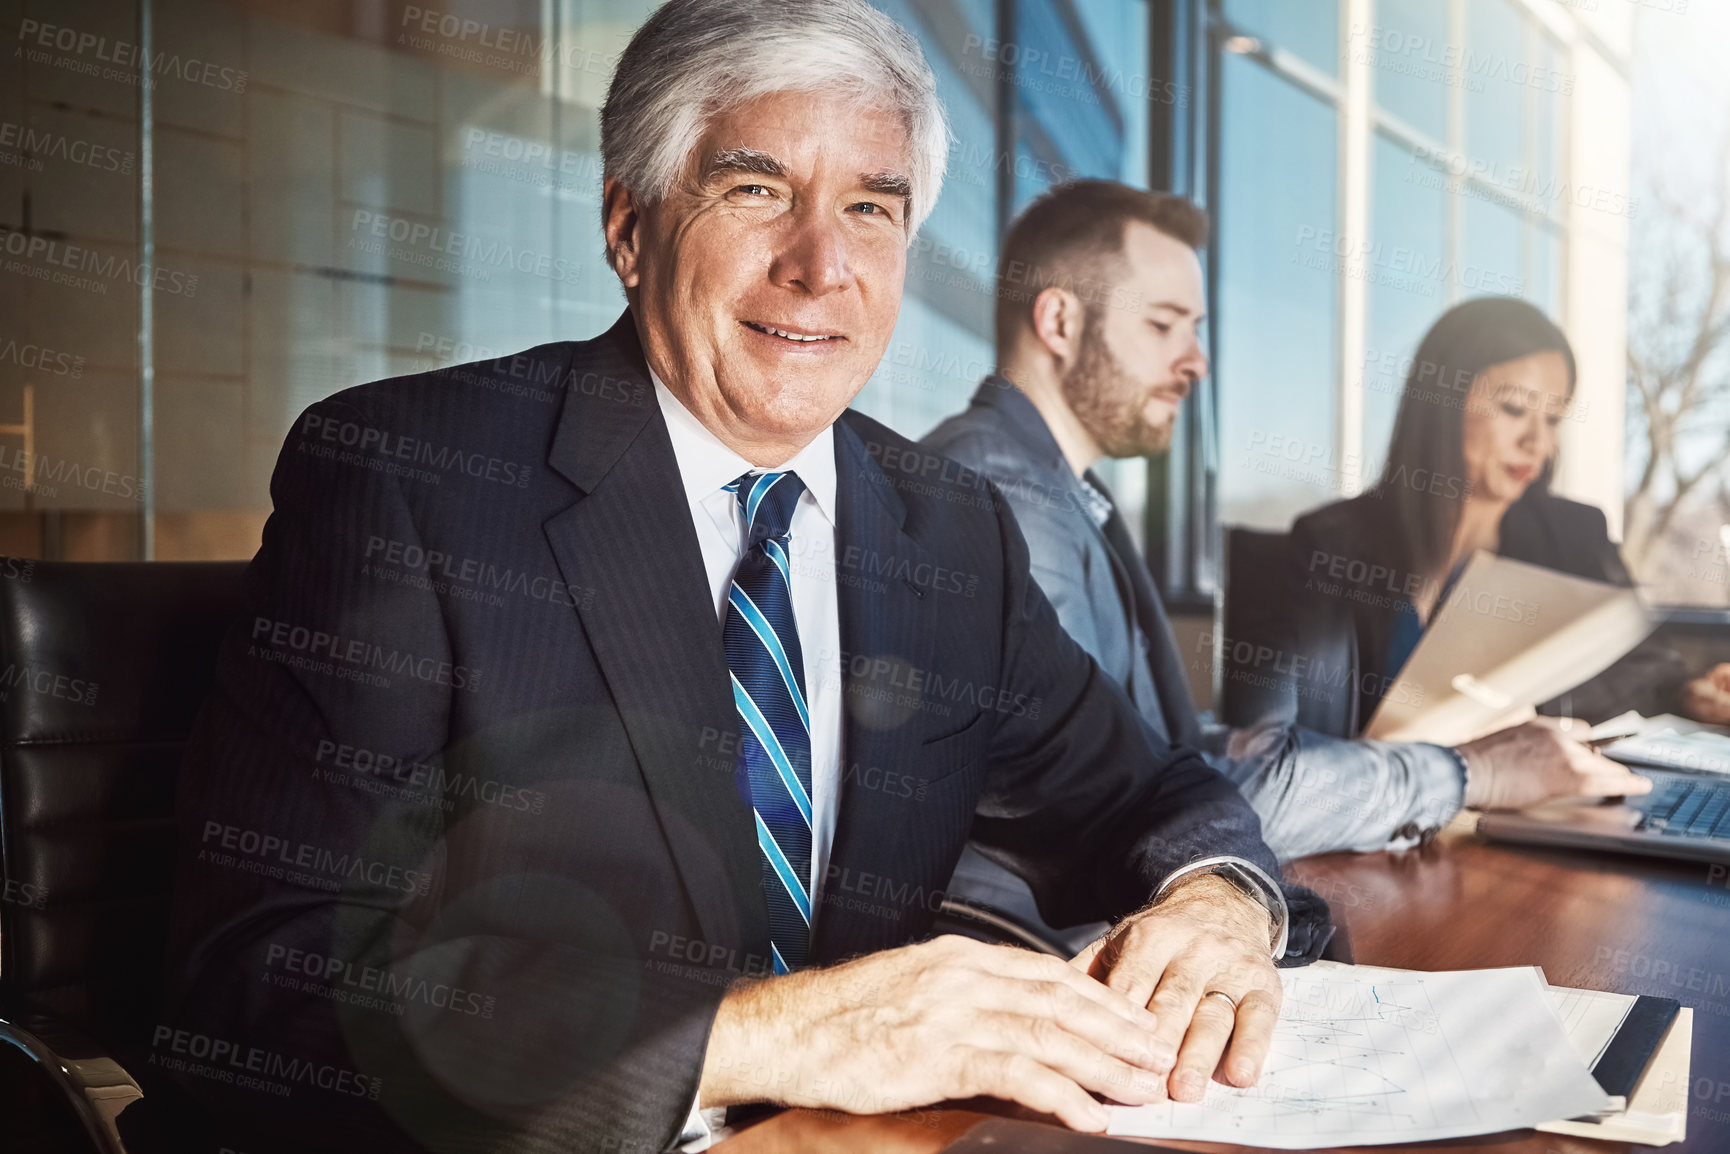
(1099, 320)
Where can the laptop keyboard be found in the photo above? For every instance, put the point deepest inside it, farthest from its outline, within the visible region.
(1693, 808)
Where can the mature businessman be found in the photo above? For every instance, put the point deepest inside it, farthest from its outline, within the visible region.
(561, 783)
(1099, 321)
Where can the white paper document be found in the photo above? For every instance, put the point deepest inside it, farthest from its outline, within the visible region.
(1381, 1056)
(1590, 1018)
(1671, 742)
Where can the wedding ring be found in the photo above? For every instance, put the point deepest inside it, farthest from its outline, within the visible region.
(1222, 994)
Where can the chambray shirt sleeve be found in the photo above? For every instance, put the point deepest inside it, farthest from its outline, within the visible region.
(1317, 794)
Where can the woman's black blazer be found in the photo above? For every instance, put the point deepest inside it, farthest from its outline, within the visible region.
(1345, 585)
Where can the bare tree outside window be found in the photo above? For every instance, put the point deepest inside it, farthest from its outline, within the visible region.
(1678, 431)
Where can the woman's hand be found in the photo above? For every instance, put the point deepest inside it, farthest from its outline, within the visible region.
(1707, 698)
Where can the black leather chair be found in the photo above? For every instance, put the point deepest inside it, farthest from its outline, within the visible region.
(103, 668)
(1254, 681)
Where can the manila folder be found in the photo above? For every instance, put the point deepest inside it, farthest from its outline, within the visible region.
(1508, 636)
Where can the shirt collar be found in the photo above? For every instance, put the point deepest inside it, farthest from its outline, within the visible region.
(705, 464)
(1093, 495)
(1023, 421)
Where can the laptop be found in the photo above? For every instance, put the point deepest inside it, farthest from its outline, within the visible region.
(1687, 815)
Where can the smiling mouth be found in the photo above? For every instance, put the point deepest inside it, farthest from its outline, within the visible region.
(792, 334)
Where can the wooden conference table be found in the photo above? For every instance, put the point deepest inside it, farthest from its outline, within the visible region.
(1606, 922)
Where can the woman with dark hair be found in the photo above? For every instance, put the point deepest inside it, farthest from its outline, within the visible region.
(1468, 468)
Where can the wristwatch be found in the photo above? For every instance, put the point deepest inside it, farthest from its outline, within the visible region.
(1252, 880)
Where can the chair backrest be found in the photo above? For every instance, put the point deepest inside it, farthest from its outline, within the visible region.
(103, 668)
(1255, 684)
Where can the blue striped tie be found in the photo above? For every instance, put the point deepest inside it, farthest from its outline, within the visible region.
(768, 670)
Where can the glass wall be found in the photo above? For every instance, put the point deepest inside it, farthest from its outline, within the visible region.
(1037, 94)
(1677, 475)
(1308, 29)
(1278, 352)
(1332, 271)
(336, 192)
(324, 193)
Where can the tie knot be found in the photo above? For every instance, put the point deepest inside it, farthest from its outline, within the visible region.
(768, 500)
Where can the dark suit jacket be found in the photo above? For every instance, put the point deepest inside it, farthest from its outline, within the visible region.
(466, 865)
(1093, 575)
(1353, 633)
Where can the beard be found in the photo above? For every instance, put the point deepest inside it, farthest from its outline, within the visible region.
(1110, 403)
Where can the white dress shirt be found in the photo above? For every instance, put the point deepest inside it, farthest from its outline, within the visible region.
(705, 464)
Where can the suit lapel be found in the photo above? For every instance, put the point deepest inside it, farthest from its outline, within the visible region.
(653, 630)
(887, 628)
(1170, 683)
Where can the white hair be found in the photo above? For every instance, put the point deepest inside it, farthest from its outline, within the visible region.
(695, 59)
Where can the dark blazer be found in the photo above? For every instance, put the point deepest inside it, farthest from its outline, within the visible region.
(466, 866)
(1092, 574)
(1352, 633)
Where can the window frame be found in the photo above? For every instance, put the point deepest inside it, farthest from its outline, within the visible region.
(1182, 527)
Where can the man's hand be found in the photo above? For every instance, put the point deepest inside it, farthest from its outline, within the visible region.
(1542, 759)
(1707, 698)
(949, 1018)
(1204, 936)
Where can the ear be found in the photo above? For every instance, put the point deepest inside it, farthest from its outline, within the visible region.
(1057, 319)
(621, 218)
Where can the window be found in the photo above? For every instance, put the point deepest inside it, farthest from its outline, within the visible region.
(1409, 220)
(355, 190)
(1495, 108)
(1278, 295)
(1494, 244)
(1075, 81)
(1307, 28)
(1342, 235)
(1677, 476)
(1408, 41)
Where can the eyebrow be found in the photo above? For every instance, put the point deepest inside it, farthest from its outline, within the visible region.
(1526, 394)
(744, 160)
(887, 184)
(1180, 310)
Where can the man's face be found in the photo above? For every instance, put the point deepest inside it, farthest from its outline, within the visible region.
(1140, 351)
(767, 284)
